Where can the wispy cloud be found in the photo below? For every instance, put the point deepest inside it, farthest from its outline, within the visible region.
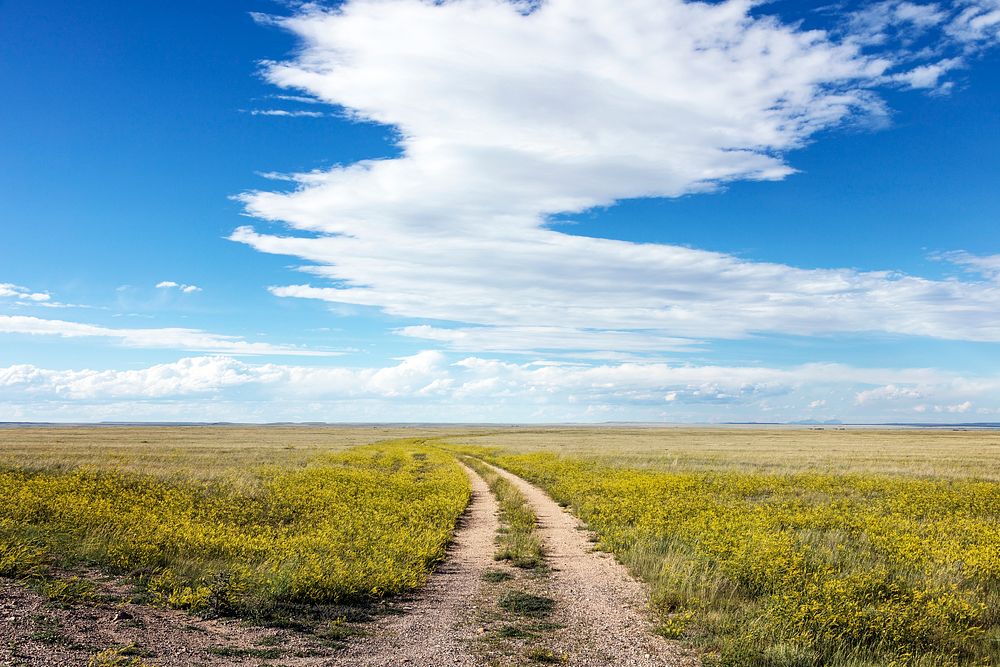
(11, 291)
(286, 113)
(527, 339)
(985, 265)
(926, 41)
(297, 98)
(172, 338)
(507, 117)
(23, 296)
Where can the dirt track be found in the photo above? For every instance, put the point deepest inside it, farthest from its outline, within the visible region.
(604, 610)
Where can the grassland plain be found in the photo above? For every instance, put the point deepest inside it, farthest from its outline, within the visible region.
(770, 548)
(788, 548)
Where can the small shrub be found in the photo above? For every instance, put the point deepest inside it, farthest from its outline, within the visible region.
(124, 656)
(72, 590)
(547, 656)
(497, 576)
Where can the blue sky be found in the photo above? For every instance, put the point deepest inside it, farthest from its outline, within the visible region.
(569, 211)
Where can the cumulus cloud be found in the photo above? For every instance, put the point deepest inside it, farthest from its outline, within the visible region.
(197, 375)
(508, 114)
(173, 338)
(427, 385)
(170, 284)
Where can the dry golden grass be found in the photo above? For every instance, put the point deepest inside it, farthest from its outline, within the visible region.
(193, 452)
(910, 452)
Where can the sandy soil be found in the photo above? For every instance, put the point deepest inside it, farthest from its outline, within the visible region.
(437, 626)
(36, 633)
(604, 610)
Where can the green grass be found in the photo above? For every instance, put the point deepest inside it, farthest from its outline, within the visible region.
(526, 604)
(497, 576)
(515, 632)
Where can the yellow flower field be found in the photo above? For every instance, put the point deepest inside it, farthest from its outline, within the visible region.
(364, 523)
(799, 568)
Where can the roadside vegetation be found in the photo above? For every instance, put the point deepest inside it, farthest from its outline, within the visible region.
(798, 569)
(340, 527)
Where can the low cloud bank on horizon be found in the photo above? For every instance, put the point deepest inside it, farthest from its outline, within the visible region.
(427, 387)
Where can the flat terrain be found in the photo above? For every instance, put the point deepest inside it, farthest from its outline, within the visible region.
(747, 546)
(936, 453)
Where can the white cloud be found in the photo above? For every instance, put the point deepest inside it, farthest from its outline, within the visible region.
(879, 22)
(977, 23)
(187, 376)
(11, 291)
(426, 386)
(25, 297)
(889, 392)
(928, 76)
(554, 339)
(590, 287)
(506, 117)
(287, 114)
(173, 338)
(985, 265)
(297, 98)
(170, 284)
(419, 374)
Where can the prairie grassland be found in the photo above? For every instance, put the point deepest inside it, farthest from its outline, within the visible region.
(911, 452)
(185, 452)
(237, 535)
(788, 548)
